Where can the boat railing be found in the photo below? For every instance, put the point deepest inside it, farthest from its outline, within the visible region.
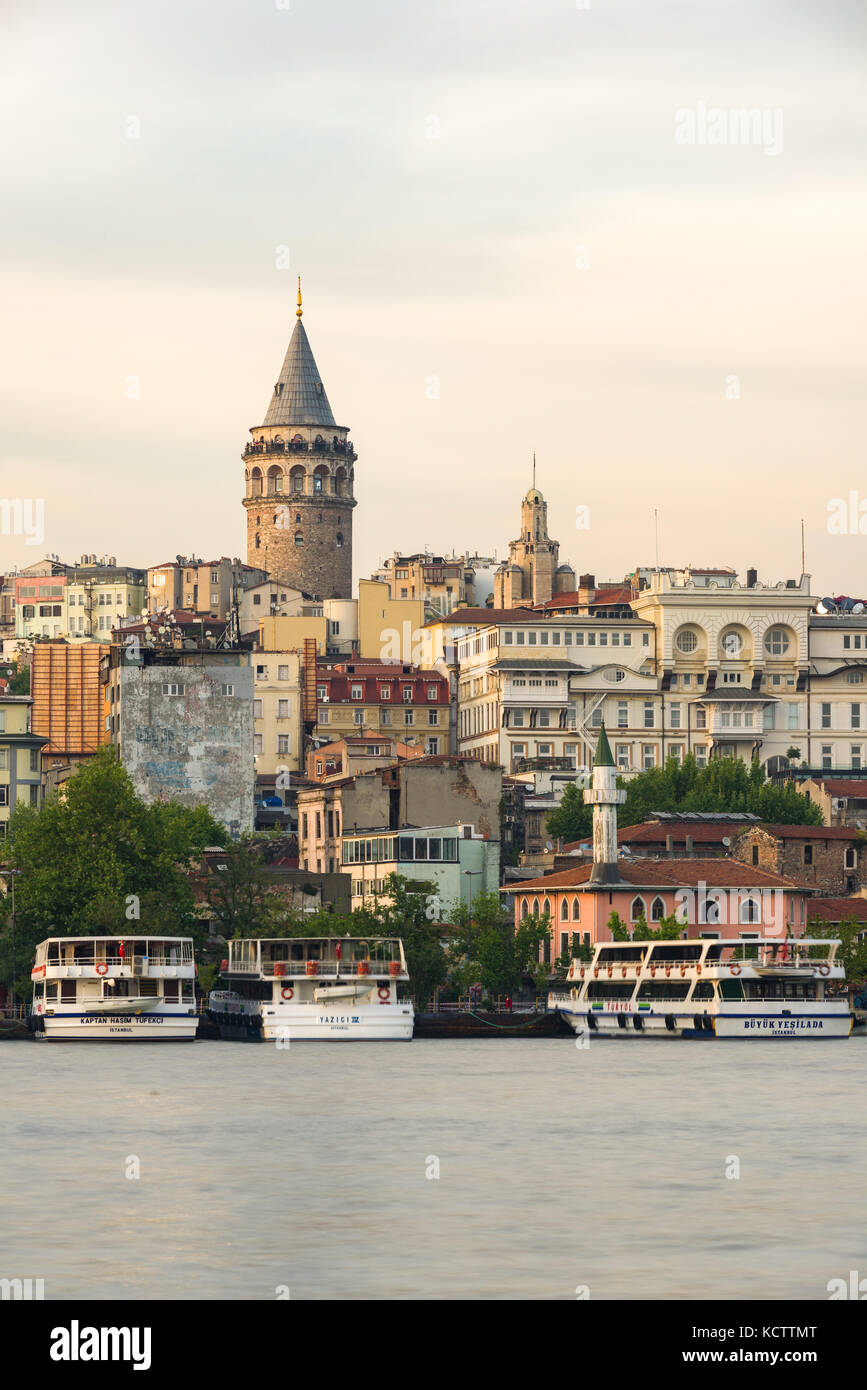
(118, 962)
(324, 969)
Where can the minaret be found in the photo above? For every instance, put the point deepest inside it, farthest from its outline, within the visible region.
(299, 475)
(604, 798)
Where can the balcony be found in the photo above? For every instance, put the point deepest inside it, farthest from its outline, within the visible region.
(324, 970)
(130, 967)
(323, 448)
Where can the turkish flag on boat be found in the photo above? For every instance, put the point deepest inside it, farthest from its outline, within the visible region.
(339, 951)
(120, 949)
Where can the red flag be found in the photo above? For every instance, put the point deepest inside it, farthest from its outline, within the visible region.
(339, 952)
(120, 949)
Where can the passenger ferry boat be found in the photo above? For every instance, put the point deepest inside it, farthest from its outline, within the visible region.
(710, 988)
(132, 988)
(313, 987)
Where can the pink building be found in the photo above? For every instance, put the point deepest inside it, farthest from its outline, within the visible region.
(721, 897)
(712, 897)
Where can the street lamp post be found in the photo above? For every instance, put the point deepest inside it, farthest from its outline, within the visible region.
(470, 874)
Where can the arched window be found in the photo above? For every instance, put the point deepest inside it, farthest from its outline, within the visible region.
(750, 911)
(258, 542)
(546, 908)
(564, 910)
(776, 641)
(299, 539)
(657, 910)
(637, 909)
(296, 479)
(576, 910)
(339, 541)
(275, 478)
(535, 907)
(524, 909)
(256, 482)
(851, 859)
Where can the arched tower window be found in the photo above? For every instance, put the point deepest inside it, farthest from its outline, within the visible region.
(339, 541)
(258, 542)
(299, 539)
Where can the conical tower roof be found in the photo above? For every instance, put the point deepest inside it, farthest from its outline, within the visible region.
(603, 756)
(299, 397)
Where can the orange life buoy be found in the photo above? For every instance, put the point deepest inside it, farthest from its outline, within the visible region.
(571, 972)
(653, 970)
(623, 971)
(683, 970)
(102, 968)
(668, 970)
(698, 970)
(582, 972)
(610, 971)
(595, 971)
(824, 969)
(735, 968)
(384, 994)
(287, 993)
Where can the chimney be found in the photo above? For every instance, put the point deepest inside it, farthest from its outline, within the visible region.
(752, 578)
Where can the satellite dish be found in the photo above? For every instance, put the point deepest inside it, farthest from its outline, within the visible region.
(726, 841)
(827, 605)
(847, 604)
(859, 607)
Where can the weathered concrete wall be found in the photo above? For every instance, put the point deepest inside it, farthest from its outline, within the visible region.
(195, 747)
(442, 794)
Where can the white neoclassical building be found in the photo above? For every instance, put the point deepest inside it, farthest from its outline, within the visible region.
(707, 665)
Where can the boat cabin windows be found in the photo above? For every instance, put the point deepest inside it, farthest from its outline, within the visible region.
(51, 990)
(610, 989)
(731, 989)
(703, 990)
(779, 989)
(83, 953)
(68, 991)
(663, 989)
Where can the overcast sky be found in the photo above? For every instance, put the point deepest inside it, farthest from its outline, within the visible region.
(484, 199)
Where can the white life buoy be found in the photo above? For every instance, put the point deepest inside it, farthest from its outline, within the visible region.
(384, 994)
(287, 993)
(824, 969)
(102, 968)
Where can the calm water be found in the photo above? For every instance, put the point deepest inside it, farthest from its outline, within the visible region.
(558, 1167)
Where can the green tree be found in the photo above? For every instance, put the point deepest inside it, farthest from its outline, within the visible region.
(666, 929)
(97, 860)
(19, 684)
(725, 784)
(853, 949)
(571, 820)
(486, 946)
(240, 896)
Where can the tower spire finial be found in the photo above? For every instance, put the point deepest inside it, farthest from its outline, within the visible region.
(299, 311)
(534, 468)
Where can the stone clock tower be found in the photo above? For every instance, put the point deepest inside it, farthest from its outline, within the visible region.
(299, 475)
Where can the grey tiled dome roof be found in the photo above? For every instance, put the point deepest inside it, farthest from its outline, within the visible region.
(299, 397)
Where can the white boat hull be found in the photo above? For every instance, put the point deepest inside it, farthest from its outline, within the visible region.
(730, 1022)
(93, 1027)
(336, 1021)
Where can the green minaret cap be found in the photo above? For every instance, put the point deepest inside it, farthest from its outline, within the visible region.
(603, 756)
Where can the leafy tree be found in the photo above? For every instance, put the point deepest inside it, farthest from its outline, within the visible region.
(725, 784)
(19, 684)
(98, 860)
(487, 947)
(853, 949)
(571, 820)
(241, 897)
(666, 929)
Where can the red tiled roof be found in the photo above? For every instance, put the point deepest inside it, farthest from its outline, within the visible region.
(838, 909)
(668, 873)
(807, 832)
(852, 787)
(614, 593)
(483, 616)
(655, 832)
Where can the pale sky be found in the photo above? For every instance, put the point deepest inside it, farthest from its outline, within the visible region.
(435, 171)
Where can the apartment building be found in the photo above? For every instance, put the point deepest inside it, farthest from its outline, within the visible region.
(382, 698)
(201, 586)
(441, 582)
(354, 754)
(99, 595)
(278, 727)
(431, 791)
(67, 703)
(20, 758)
(533, 689)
